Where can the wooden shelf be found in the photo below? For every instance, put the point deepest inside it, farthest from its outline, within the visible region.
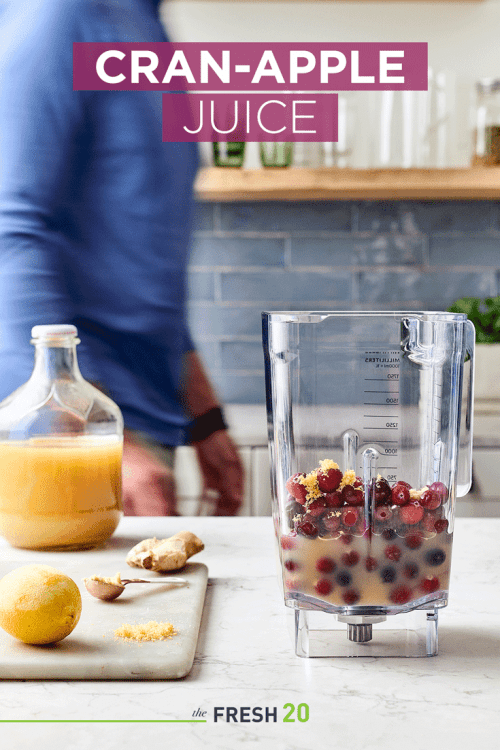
(299, 184)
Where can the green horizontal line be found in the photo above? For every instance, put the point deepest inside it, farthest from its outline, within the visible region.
(103, 721)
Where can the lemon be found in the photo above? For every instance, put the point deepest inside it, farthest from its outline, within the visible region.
(39, 604)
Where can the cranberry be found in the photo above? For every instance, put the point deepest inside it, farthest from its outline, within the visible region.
(440, 489)
(430, 500)
(333, 499)
(435, 557)
(325, 565)
(350, 516)
(388, 574)
(287, 542)
(383, 513)
(410, 570)
(405, 484)
(350, 496)
(388, 534)
(346, 538)
(323, 587)
(297, 490)
(291, 565)
(400, 595)
(411, 514)
(331, 522)
(400, 494)
(381, 492)
(291, 583)
(351, 596)
(328, 481)
(429, 585)
(371, 564)
(350, 558)
(392, 552)
(441, 525)
(343, 578)
(307, 527)
(414, 540)
(316, 507)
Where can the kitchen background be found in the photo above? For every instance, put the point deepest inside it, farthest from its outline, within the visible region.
(252, 256)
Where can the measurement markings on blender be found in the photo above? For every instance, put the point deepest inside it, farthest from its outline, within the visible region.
(379, 361)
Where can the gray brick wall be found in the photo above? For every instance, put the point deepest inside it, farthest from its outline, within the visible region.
(249, 257)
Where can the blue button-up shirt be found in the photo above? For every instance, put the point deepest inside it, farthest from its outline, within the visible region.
(94, 211)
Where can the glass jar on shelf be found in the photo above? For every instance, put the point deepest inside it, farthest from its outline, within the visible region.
(229, 153)
(487, 126)
(276, 154)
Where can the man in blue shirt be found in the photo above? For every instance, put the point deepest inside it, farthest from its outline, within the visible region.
(95, 218)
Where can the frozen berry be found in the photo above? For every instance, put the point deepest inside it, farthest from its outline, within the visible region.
(333, 499)
(351, 596)
(381, 492)
(414, 540)
(325, 565)
(400, 494)
(316, 507)
(388, 574)
(411, 514)
(429, 585)
(297, 490)
(440, 489)
(350, 516)
(383, 513)
(331, 522)
(400, 595)
(388, 534)
(343, 578)
(392, 552)
(350, 558)
(430, 500)
(328, 481)
(346, 539)
(288, 542)
(441, 525)
(292, 583)
(411, 570)
(291, 565)
(350, 496)
(435, 557)
(307, 527)
(370, 564)
(323, 587)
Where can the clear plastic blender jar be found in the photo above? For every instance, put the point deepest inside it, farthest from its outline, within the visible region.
(370, 435)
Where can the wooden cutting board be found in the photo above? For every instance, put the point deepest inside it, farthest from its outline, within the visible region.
(91, 651)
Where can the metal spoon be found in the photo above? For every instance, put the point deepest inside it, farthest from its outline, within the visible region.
(109, 591)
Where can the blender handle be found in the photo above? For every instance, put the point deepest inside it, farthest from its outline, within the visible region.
(464, 472)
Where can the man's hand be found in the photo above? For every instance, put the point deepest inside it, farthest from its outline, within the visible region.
(222, 471)
(148, 484)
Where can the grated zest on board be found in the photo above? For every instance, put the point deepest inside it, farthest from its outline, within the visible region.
(149, 631)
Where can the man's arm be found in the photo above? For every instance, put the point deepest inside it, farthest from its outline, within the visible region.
(217, 454)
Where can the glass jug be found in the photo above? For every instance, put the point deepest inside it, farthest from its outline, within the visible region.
(370, 435)
(61, 443)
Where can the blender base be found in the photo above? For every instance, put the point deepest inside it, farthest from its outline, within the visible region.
(411, 634)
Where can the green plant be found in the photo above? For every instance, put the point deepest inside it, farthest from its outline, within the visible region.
(484, 313)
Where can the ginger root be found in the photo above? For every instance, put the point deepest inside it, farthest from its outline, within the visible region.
(165, 554)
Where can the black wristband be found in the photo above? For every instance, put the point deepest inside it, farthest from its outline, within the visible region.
(205, 425)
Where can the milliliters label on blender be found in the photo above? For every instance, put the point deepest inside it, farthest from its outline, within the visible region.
(381, 414)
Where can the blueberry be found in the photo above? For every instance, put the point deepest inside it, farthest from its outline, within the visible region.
(435, 556)
(388, 574)
(344, 578)
(389, 534)
(411, 570)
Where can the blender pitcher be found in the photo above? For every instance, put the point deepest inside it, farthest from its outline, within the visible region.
(370, 436)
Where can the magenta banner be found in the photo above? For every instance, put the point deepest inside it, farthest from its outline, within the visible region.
(250, 117)
(250, 66)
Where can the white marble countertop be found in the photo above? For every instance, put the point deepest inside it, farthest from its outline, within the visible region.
(245, 658)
